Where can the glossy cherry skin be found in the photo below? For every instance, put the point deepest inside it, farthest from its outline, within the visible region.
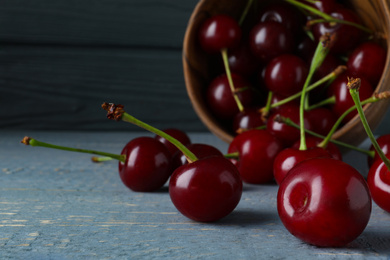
(346, 37)
(199, 150)
(178, 134)
(324, 202)
(270, 39)
(290, 157)
(384, 143)
(220, 98)
(257, 150)
(247, 119)
(242, 61)
(322, 120)
(219, 32)
(207, 189)
(378, 179)
(147, 166)
(344, 101)
(312, 141)
(368, 61)
(286, 74)
(287, 134)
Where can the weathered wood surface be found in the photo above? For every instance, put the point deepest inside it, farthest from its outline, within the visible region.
(59, 205)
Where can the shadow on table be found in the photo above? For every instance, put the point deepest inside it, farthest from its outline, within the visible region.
(249, 218)
(375, 241)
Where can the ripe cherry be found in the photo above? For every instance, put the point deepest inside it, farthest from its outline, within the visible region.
(242, 61)
(256, 150)
(324, 202)
(247, 119)
(384, 144)
(378, 179)
(312, 141)
(219, 32)
(286, 74)
(270, 39)
(178, 135)
(199, 150)
(322, 120)
(207, 189)
(367, 61)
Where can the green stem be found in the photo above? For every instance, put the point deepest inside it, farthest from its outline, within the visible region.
(334, 20)
(245, 12)
(34, 142)
(230, 79)
(289, 122)
(235, 155)
(355, 96)
(327, 101)
(101, 158)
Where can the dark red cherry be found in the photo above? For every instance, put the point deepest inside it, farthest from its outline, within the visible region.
(178, 134)
(287, 134)
(324, 202)
(286, 14)
(290, 157)
(286, 74)
(322, 120)
(305, 48)
(200, 151)
(257, 150)
(326, 6)
(220, 98)
(247, 119)
(378, 179)
(147, 166)
(270, 39)
(368, 61)
(384, 143)
(219, 32)
(345, 36)
(343, 100)
(242, 61)
(207, 189)
(312, 141)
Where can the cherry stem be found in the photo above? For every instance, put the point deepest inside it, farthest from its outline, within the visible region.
(245, 12)
(117, 113)
(289, 122)
(101, 158)
(230, 79)
(319, 56)
(33, 142)
(235, 155)
(334, 20)
(326, 17)
(374, 98)
(327, 101)
(353, 86)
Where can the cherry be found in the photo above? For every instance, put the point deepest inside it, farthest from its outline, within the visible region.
(322, 120)
(312, 141)
(378, 179)
(287, 134)
(305, 48)
(207, 189)
(324, 202)
(367, 60)
(242, 61)
(345, 36)
(256, 150)
(178, 135)
(326, 6)
(290, 157)
(219, 32)
(343, 101)
(220, 99)
(270, 39)
(384, 144)
(147, 166)
(199, 150)
(286, 74)
(247, 119)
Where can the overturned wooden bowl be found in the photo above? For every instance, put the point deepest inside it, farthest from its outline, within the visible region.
(199, 67)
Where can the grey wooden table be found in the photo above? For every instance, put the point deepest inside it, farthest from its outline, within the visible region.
(60, 205)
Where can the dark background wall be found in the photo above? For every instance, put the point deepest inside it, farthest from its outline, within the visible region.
(60, 59)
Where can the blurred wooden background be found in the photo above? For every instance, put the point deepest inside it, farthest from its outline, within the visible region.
(60, 59)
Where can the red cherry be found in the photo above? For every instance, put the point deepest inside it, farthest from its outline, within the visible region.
(257, 150)
(305, 48)
(200, 150)
(290, 157)
(378, 179)
(242, 61)
(324, 202)
(270, 39)
(207, 189)
(220, 98)
(312, 141)
(384, 143)
(322, 120)
(219, 32)
(179, 135)
(346, 37)
(247, 119)
(286, 74)
(287, 134)
(147, 166)
(368, 61)
(343, 101)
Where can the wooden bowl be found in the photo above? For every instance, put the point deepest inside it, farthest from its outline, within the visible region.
(199, 67)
